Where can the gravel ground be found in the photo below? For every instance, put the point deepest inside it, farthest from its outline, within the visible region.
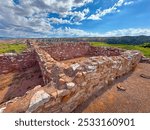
(135, 99)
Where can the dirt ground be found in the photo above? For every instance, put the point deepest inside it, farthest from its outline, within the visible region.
(16, 84)
(136, 97)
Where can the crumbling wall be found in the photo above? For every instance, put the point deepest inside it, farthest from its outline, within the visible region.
(104, 51)
(49, 56)
(13, 61)
(70, 85)
(63, 51)
(46, 62)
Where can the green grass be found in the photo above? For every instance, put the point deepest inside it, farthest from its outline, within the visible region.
(145, 51)
(8, 48)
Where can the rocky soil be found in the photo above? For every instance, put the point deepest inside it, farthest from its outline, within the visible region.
(16, 84)
(136, 97)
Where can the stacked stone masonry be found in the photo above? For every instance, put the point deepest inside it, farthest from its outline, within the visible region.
(72, 72)
(11, 61)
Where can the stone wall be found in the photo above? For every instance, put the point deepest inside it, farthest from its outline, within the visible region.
(69, 85)
(104, 51)
(46, 63)
(65, 51)
(49, 55)
(13, 61)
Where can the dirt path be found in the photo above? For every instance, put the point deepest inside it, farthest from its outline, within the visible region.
(136, 98)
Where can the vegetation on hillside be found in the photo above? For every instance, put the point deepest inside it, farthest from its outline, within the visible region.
(12, 48)
(146, 45)
(144, 48)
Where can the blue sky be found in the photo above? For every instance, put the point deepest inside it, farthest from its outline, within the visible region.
(74, 18)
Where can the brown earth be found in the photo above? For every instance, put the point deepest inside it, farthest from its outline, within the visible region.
(75, 60)
(136, 97)
(16, 84)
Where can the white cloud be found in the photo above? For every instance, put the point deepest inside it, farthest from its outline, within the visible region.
(76, 17)
(31, 15)
(61, 21)
(129, 32)
(71, 32)
(13, 17)
(100, 13)
(119, 3)
(29, 18)
(79, 16)
(129, 3)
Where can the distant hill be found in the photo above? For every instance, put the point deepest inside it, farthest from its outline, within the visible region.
(135, 40)
(4, 38)
(132, 40)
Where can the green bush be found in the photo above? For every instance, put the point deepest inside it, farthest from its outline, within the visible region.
(146, 45)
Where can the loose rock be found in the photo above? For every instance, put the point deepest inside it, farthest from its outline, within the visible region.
(38, 99)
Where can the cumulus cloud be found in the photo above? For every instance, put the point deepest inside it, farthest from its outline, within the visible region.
(13, 17)
(100, 13)
(30, 18)
(75, 17)
(32, 15)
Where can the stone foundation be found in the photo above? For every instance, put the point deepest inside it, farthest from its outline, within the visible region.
(72, 73)
(65, 51)
(12, 61)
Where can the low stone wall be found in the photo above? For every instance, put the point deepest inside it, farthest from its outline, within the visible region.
(69, 85)
(103, 51)
(46, 63)
(50, 55)
(64, 51)
(13, 61)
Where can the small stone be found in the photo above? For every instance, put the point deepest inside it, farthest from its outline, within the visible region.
(75, 66)
(62, 75)
(2, 109)
(84, 73)
(145, 76)
(65, 79)
(62, 81)
(91, 68)
(37, 87)
(38, 99)
(79, 74)
(100, 62)
(120, 87)
(70, 85)
(54, 94)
